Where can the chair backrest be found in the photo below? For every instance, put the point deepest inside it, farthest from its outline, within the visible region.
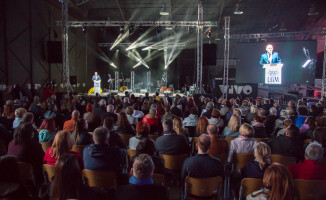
(91, 133)
(311, 189)
(152, 136)
(265, 140)
(260, 132)
(241, 159)
(101, 179)
(173, 162)
(250, 185)
(125, 138)
(26, 173)
(45, 146)
(131, 153)
(79, 149)
(203, 187)
(49, 170)
(158, 179)
(284, 160)
(229, 139)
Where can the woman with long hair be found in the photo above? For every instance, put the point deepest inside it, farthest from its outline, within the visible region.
(142, 130)
(178, 127)
(89, 110)
(190, 104)
(232, 129)
(278, 185)
(123, 126)
(80, 135)
(61, 146)
(9, 110)
(201, 127)
(47, 130)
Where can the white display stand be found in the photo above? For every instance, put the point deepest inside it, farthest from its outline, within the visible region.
(97, 87)
(273, 73)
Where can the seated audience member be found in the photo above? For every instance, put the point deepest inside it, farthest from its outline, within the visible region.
(307, 129)
(137, 113)
(216, 119)
(67, 181)
(209, 109)
(47, 131)
(61, 146)
(123, 126)
(109, 113)
(192, 119)
(80, 135)
(286, 144)
(115, 138)
(201, 127)
(291, 113)
(194, 167)
(178, 127)
(257, 167)
(152, 120)
(132, 120)
(145, 107)
(226, 108)
(252, 114)
(89, 110)
(232, 129)
(244, 143)
(259, 126)
(175, 110)
(19, 112)
(142, 130)
(9, 110)
(302, 116)
(141, 183)
(69, 125)
(278, 185)
(10, 180)
(244, 108)
(216, 144)
(167, 114)
(147, 146)
(170, 142)
(286, 123)
(279, 122)
(101, 155)
(25, 149)
(270, 120)
(310, 168)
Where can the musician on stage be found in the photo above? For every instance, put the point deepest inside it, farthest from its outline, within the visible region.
(269, 57)
(110, 81)
(96, 77)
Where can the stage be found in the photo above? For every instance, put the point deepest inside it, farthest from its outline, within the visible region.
(138, 94)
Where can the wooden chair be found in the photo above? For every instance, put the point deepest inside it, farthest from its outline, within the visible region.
(202, 187)
(173, 162)
(158, 179)
(79, 149)
(265, 140)
(125, 138)
(48, 172)
(131, 153)
(249, 185)
(102, 179)
(45, 145)
(194, 144)
(306, 141)
(284, 160)
(229, 139)
(241, 159)
(91, 133)
(152, 136)
(26, 173)
(311, 189)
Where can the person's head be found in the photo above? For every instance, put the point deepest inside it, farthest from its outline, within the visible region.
(254, 110)
(272, 111)
(237, 111)
(122, 120)
(245, 103)
(262, 154)
(95, 73)
(62, 144)
(210, 105)
(287, 123)
(80, 127)
(48, 124)
(292, 130)
(89, 108)
(146, 146)
(302, 110)
(36, 99)
(100, 135)
(204, 142)
(194, 111)
(202, 125)
(75, 114)
(166, 108)
(311, 122)
(284, 114)
(67, 178)
(129, 110)
(23, 133)
(320, 121)
(246, 130)
(234, 123)
(110, 108)
(212, 129)
(142, 128)
(152, 111)
(261, 112)
(108, 123)
(102, 102)
(269, 48)
(143, 167)
(278, 180)
(9, 171)
(167, 125)
(314, 151)
(216, 113)
(290, 111)
(28, 117)
(19, 112)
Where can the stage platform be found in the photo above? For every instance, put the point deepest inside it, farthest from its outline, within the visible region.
(137, 94)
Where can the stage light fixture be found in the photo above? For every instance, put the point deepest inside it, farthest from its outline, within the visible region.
(158, 29)
(313, 11)
(122, 29)
(164, 11)
(209, 34)
(306, 63)
(237, 10)
(165, 67)
(131, 29)
(83, 29)
(113, 65)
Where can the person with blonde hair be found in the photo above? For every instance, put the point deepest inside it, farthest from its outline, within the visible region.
(178, 127)
(278, 185)
(252, 114)
(19, 112)
(244, 143)
(257, 167)
(232, 129)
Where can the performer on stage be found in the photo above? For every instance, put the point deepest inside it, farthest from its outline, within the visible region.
(96, 77)
(269, 57)
(97, 83)
(110, 81)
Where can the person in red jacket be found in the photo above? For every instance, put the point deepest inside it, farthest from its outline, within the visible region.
(47, 92)
(153, 121)
(310, 168)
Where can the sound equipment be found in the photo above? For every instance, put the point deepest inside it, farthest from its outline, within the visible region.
(54, 50)
(209, 54)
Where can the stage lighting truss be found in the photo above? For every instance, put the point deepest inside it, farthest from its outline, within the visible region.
(277, 35)
(147, 45)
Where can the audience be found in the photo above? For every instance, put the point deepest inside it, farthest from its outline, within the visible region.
(192, 119)
(216, 119)
(19, 112)
(201, 127)
(152, 120)
(167, 114)
(178, 127)
(217, 145)
(123, 126)
(132, 120)
(89, 111)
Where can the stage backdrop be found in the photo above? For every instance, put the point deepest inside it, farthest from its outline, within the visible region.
(292, 57)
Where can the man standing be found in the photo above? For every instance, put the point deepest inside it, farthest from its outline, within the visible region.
(97, 87)
(269, 57)
(96, 77)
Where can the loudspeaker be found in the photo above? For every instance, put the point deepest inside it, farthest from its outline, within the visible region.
(54, 49)
(73, 80)
(209, 54)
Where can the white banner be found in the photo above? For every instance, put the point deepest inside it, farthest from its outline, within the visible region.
(273, 73)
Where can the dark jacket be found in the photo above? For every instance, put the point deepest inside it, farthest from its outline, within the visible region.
(176, 111)
(84, 138)
(208, 113)
(13, 191)
(103, 157)
(143, 192)
(171, 143)
(108, 114)
(284, 145)
(253, 170)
